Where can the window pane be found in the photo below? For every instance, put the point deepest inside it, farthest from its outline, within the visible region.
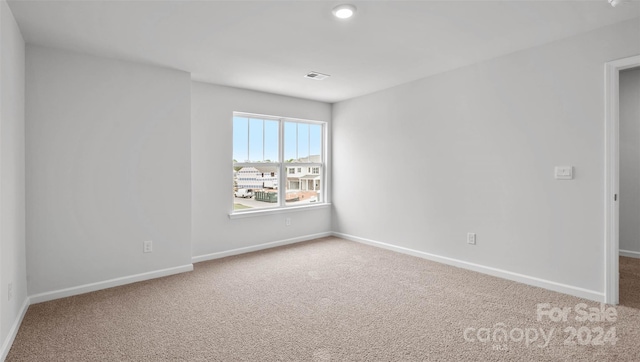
(256, 132)
(240, 138)
(271, 141)
(303, 142)
(290, 141)
(258, 141)
(255, 188)
(303, 187)
(315, 143)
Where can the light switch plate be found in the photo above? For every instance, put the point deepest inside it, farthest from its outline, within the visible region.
(564, 172)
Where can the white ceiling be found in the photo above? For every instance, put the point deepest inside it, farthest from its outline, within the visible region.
(270, 45)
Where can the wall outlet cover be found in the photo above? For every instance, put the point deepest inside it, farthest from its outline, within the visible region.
(471, 238)
(563, 172)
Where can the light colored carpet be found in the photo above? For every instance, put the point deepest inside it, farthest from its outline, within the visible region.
(630, 282)
(324, 300)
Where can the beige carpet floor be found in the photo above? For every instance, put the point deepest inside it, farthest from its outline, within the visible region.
(323, 300)
(630, 282)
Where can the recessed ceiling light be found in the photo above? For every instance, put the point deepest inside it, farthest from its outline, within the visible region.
(615, 3)
(344, 11)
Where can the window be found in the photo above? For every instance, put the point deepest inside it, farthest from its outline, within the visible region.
(264, 149)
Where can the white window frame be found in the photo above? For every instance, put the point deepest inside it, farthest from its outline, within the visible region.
(282, 166)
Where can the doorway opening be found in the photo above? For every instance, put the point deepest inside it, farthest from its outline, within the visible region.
(612, 175)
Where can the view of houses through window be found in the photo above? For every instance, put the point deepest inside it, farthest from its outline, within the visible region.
(270, 152)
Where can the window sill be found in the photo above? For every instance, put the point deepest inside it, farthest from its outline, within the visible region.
(282, 210)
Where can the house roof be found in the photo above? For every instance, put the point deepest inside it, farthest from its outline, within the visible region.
(310, 159)
(265, 169)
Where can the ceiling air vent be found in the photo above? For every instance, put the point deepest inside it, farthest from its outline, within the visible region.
(316, 76)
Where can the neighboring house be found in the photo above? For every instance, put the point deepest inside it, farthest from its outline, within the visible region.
(299, 177)
(304, 178)
(254, 178)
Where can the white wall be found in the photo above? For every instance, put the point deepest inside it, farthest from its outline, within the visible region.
(108, 166)
(479, 145)
(211, 163)
(12, 173)
(630, 161)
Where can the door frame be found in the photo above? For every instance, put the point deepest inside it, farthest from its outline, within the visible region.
(612, 176)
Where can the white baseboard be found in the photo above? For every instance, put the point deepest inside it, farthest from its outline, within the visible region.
(248, 249)
(520, 278)
(630, 254)
(8, 342)
(63, 293)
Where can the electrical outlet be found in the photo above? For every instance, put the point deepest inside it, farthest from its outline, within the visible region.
(10, 291)
(287, 221)
(563, 172)
(471, 238)
(147, 246)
